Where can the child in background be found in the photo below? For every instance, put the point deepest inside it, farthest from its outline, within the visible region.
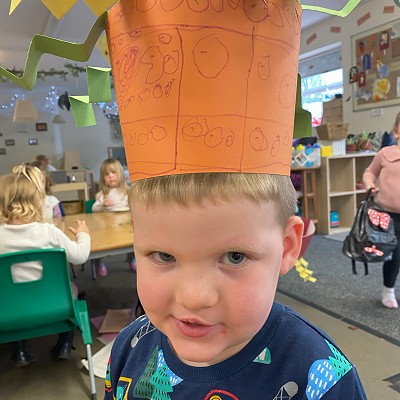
(113, 196)
(45, 163)
(385, 167)
(21, 228)
(51, 206)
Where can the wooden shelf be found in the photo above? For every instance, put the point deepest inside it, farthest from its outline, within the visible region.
(337, 190)
(308, 194)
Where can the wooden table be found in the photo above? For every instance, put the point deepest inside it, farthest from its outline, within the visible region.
(111, 233)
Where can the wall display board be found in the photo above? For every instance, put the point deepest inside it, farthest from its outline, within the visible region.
(376, 54)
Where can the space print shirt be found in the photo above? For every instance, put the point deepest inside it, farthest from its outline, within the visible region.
(289, 358)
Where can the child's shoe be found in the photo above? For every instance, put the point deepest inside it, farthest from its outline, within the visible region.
(101, 269)
(62, 350)
(389, 298)
(23, 357)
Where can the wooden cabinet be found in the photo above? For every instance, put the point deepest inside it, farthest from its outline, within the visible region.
(337, 189)
(71, 191)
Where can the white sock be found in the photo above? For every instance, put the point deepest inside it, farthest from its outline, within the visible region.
(389, 298)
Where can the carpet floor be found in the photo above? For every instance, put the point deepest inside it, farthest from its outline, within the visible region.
(353, 298)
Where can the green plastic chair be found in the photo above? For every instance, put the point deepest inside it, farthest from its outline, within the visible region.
(45, 306)
(89, 205)
(88, 210)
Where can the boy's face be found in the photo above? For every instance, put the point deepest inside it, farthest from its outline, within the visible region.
(207, 275)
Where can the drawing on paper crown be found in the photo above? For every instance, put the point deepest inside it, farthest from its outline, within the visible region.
(205, 90)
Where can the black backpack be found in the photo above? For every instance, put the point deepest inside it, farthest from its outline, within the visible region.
(372, 238)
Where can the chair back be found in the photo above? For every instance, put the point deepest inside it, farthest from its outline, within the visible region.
(40, 307)
(89, 205)
(45, 306)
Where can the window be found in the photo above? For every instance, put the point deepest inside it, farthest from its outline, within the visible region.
(321, 79)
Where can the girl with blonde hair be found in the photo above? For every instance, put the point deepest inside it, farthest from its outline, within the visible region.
(112, 196)
(21, 228)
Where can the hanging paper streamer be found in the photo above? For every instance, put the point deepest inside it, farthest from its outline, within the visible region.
(82, 111)
(41, 44)
(13, 5)
(344, 12)
(99, 90)
(98, 6)
(102, 46)
(59, 8)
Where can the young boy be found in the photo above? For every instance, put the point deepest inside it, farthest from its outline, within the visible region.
(210, 249)
(212, 206)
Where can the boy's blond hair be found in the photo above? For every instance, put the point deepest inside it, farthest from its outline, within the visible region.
(22, 195)
(106, 165)
(187, 189)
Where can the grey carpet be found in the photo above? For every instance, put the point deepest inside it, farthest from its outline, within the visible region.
(354, 298)
(337, 236)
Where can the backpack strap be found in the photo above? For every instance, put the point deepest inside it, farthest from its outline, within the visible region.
(353, 266)
(354, 269)
(366, 268)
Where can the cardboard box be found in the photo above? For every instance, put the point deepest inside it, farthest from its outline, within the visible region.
(334, 103)
(333, 130)
(332, 111)
(332, 115)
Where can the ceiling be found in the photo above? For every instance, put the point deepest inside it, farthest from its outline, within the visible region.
(32, 17)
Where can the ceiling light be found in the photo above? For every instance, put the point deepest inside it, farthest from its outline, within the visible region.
(25, 111)
(58, 119)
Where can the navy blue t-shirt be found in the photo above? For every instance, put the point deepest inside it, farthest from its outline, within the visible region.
(289, 358)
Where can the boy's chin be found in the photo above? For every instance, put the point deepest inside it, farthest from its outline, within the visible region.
(202, 355)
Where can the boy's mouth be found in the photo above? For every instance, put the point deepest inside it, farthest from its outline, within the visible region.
(193, 328)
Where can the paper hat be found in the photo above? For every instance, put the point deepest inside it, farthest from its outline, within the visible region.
(205, 85)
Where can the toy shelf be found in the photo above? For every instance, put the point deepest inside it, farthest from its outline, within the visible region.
(337, 189)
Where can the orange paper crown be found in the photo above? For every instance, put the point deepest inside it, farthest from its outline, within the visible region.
(205, 85)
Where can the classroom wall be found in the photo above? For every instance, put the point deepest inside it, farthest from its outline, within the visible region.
(91, 142)
(375, 12)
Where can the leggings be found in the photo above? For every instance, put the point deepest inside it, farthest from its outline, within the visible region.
(391, 268)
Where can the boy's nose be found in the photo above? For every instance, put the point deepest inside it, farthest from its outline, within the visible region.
(196, 291)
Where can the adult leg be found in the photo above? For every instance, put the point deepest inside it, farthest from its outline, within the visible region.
(391, 270)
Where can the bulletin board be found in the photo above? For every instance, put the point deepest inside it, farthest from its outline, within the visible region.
(375, 74)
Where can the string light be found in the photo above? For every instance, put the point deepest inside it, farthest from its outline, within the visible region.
(49, 104)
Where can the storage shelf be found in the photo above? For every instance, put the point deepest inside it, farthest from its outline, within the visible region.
(338, 194)
(337, 191)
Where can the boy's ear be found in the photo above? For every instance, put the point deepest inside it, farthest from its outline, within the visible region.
(292, 240)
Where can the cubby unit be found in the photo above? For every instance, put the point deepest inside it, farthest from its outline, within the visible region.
(338, 190)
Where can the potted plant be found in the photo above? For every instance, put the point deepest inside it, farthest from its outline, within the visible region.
(351, 143)
(365, 141)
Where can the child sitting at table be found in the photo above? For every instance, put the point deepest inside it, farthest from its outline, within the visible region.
(21, 228)
(113, 196)
(52, 207)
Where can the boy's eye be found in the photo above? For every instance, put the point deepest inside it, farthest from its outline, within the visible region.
(162, 257)
(233, 258)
